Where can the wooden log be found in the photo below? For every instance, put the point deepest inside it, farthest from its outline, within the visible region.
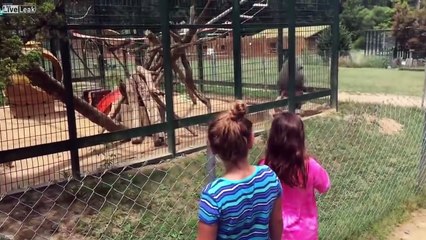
(51, 86)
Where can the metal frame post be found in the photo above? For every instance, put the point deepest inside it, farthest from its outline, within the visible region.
(422, 163)
(334, 68)
(100, 58)
(291, 11)
(168, 75)
(280, 37)
(211, 165)
(71, 120)
(200, 66)
(236, 35)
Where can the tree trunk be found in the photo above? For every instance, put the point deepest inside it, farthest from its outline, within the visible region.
(52, 87)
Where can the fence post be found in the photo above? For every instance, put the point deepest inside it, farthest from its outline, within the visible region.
(365, 33)
(211, 165)
(200, 66)
(168, 76)
(100, 46)
(422, 164)
(334, 68)
(67, 80)
(291, 11)
(280, 37)
(424, 89)
(213, 65)
(236, 35)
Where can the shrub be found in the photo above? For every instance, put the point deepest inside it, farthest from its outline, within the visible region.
(325, 42)
(361, 61)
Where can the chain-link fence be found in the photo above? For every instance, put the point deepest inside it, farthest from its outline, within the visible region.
(371, 147)
(63, 177)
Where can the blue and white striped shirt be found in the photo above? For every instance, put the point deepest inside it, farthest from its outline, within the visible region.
(242, 209)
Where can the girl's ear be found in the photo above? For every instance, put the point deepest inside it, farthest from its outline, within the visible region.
(251, 141)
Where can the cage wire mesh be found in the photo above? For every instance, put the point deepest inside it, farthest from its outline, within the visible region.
(372, 147)
(371, 150)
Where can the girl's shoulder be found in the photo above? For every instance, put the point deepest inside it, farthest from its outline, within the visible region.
(313, 163)
(266, 172)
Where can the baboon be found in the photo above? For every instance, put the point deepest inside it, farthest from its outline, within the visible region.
(283, 79)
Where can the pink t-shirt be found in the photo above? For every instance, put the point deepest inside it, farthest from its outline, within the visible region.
(300, 213)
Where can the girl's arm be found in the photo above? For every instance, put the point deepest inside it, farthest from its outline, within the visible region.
(208, 215)
(322, 181)
(206, 231)
(276, 222)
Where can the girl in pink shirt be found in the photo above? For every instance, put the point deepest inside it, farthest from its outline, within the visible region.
(300, 175)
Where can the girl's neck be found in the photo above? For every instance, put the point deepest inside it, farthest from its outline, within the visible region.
(238, 171)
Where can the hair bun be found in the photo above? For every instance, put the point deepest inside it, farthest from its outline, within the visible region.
(238, 110)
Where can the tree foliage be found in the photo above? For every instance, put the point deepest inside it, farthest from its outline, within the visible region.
(15, 31)
(361, 15)
(409, 26)
(325, 41)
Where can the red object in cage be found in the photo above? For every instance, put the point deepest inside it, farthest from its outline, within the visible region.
(105, 103)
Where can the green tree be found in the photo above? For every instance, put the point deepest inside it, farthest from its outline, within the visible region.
(409, 26)
(16, 31)
(325, 42)
(361, 15)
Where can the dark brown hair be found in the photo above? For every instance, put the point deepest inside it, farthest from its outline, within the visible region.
(286, 152)
(229, 134)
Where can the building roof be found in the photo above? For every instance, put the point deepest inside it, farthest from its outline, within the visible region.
(305, 32)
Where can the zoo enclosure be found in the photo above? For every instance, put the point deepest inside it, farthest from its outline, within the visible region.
(90, 67)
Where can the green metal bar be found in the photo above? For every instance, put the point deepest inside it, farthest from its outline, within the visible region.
(168, 75)
(56, 147)
(54, 49)
(334, 68)
(100, 45)
(200, 66)
(280, 50)
(422, 164)
(67, 81)
(236, 37)
(189, 26)
(280, 37)
(121, 135)
(33, 151)
(283, 102)
(258, 86)
(291, 11)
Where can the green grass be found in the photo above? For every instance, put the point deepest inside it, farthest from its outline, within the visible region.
(265, 71)
(388, 81)
(372, 174)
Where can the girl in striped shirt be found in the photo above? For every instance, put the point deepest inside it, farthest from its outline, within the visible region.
(246, 202)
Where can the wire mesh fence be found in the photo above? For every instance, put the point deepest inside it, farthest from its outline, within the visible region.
(372, 149)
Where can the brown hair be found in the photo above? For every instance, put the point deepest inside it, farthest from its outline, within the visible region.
(286, 152)
(229, 134)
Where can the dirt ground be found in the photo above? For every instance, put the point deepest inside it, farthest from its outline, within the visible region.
(389, 99)
(414, 229)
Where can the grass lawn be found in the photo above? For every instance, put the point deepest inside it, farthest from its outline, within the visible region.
(374, 80)
(265, 71)
(372, 175)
